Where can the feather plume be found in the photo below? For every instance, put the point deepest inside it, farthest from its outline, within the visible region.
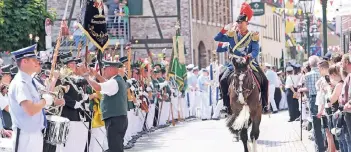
(246, 10)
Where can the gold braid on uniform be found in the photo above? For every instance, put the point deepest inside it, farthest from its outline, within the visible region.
(247, 41)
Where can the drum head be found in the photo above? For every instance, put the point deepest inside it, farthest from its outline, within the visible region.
(57, 118)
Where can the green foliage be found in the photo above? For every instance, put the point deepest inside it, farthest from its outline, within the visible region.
(18, 20)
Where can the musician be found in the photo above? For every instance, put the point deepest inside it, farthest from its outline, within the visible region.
(114, 102)
(98, 130)
(74, 108)
(26, 104)
(156, 95)
(245, 44)
(165, 93)
(124, 60)
(129, 139)
(4, 99)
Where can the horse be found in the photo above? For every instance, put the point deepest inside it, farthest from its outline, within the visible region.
(246, 107)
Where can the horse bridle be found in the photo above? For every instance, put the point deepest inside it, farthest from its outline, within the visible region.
(239, 91)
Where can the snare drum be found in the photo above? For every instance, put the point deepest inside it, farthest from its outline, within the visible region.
(5, 145)
(57, 130)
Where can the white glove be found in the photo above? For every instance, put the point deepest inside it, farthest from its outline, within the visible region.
(48, 99)
(78, 104)
(228, 26)
(148, 89)
(85, 96)
(130, 81)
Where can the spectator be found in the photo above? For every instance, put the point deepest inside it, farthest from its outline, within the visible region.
(78, 36)
(310, 82)
(291, 94)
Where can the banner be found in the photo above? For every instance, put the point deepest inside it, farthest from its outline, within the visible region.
(178, 69)
(93, 23)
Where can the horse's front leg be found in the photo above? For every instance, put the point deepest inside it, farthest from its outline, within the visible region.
(256, 120)
(244, 139)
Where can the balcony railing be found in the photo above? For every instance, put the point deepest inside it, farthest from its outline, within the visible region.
(118, 27)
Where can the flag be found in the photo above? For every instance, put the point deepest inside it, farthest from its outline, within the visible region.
(177, 65)
(93, 23)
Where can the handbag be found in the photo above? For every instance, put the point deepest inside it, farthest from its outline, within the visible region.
(296, 94)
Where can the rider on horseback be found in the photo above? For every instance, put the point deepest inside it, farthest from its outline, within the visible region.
(240, 42)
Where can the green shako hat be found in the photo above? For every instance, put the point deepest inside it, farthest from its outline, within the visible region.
(111, 63)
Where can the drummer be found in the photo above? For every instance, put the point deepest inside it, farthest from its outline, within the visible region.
(26, 104)
(114, 102)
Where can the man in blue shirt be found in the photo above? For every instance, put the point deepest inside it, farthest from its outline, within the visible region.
(242, 43)
(26, 104)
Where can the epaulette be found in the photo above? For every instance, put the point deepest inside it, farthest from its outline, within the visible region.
(255, 36)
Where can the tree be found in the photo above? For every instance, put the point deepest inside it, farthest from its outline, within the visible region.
(18, 19)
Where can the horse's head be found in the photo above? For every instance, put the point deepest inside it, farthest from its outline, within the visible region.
(241, 64)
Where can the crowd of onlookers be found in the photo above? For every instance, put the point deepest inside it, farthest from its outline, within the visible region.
(322, 86)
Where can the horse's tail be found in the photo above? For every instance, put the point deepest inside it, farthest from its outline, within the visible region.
(243, 118)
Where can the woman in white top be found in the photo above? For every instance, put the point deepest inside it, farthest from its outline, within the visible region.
(291, 84)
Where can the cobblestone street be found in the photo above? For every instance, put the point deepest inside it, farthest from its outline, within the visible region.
(277, 135)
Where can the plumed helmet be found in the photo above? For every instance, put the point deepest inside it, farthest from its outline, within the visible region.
(246, 13)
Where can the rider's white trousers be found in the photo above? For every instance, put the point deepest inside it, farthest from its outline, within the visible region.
(271, 91)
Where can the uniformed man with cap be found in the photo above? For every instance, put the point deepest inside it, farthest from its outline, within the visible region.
(272, 78)
(4, 99)
(156, 95)
(73, 109)
(194, 91)
(189, 75)
(165, 92)
(26, 104)
(203, 83)
(114, 102)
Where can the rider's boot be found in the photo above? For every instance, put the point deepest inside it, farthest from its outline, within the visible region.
(264, 87)
(224, 89)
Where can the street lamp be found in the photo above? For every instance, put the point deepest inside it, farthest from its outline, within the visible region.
(307, 7)
(324, 10)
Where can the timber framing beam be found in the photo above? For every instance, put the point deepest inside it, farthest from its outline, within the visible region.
(156, 20)
(167, 16)
(151, 41)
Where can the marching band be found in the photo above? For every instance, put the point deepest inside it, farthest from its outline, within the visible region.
(77, 108)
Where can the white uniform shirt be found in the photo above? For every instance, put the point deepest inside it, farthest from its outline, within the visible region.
(109, 87)
(292, 81)
(4, 101)
(21, 89)
(271, 76)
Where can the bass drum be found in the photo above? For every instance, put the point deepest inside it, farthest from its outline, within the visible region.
(57, 130)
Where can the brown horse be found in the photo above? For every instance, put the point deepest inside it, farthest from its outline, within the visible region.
(245, 103)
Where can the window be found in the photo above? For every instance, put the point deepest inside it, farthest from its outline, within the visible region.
(274, 27)
(279, 24)
(208, 10)
(197, 9)
(135, 7)
(202, 10)
(220, 15)
(212, 11)
(193, 9)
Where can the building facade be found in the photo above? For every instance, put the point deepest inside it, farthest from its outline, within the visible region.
(207, 19)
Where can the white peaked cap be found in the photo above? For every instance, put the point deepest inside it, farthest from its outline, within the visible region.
(190, 66)
(267, 65)
(289, 68)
